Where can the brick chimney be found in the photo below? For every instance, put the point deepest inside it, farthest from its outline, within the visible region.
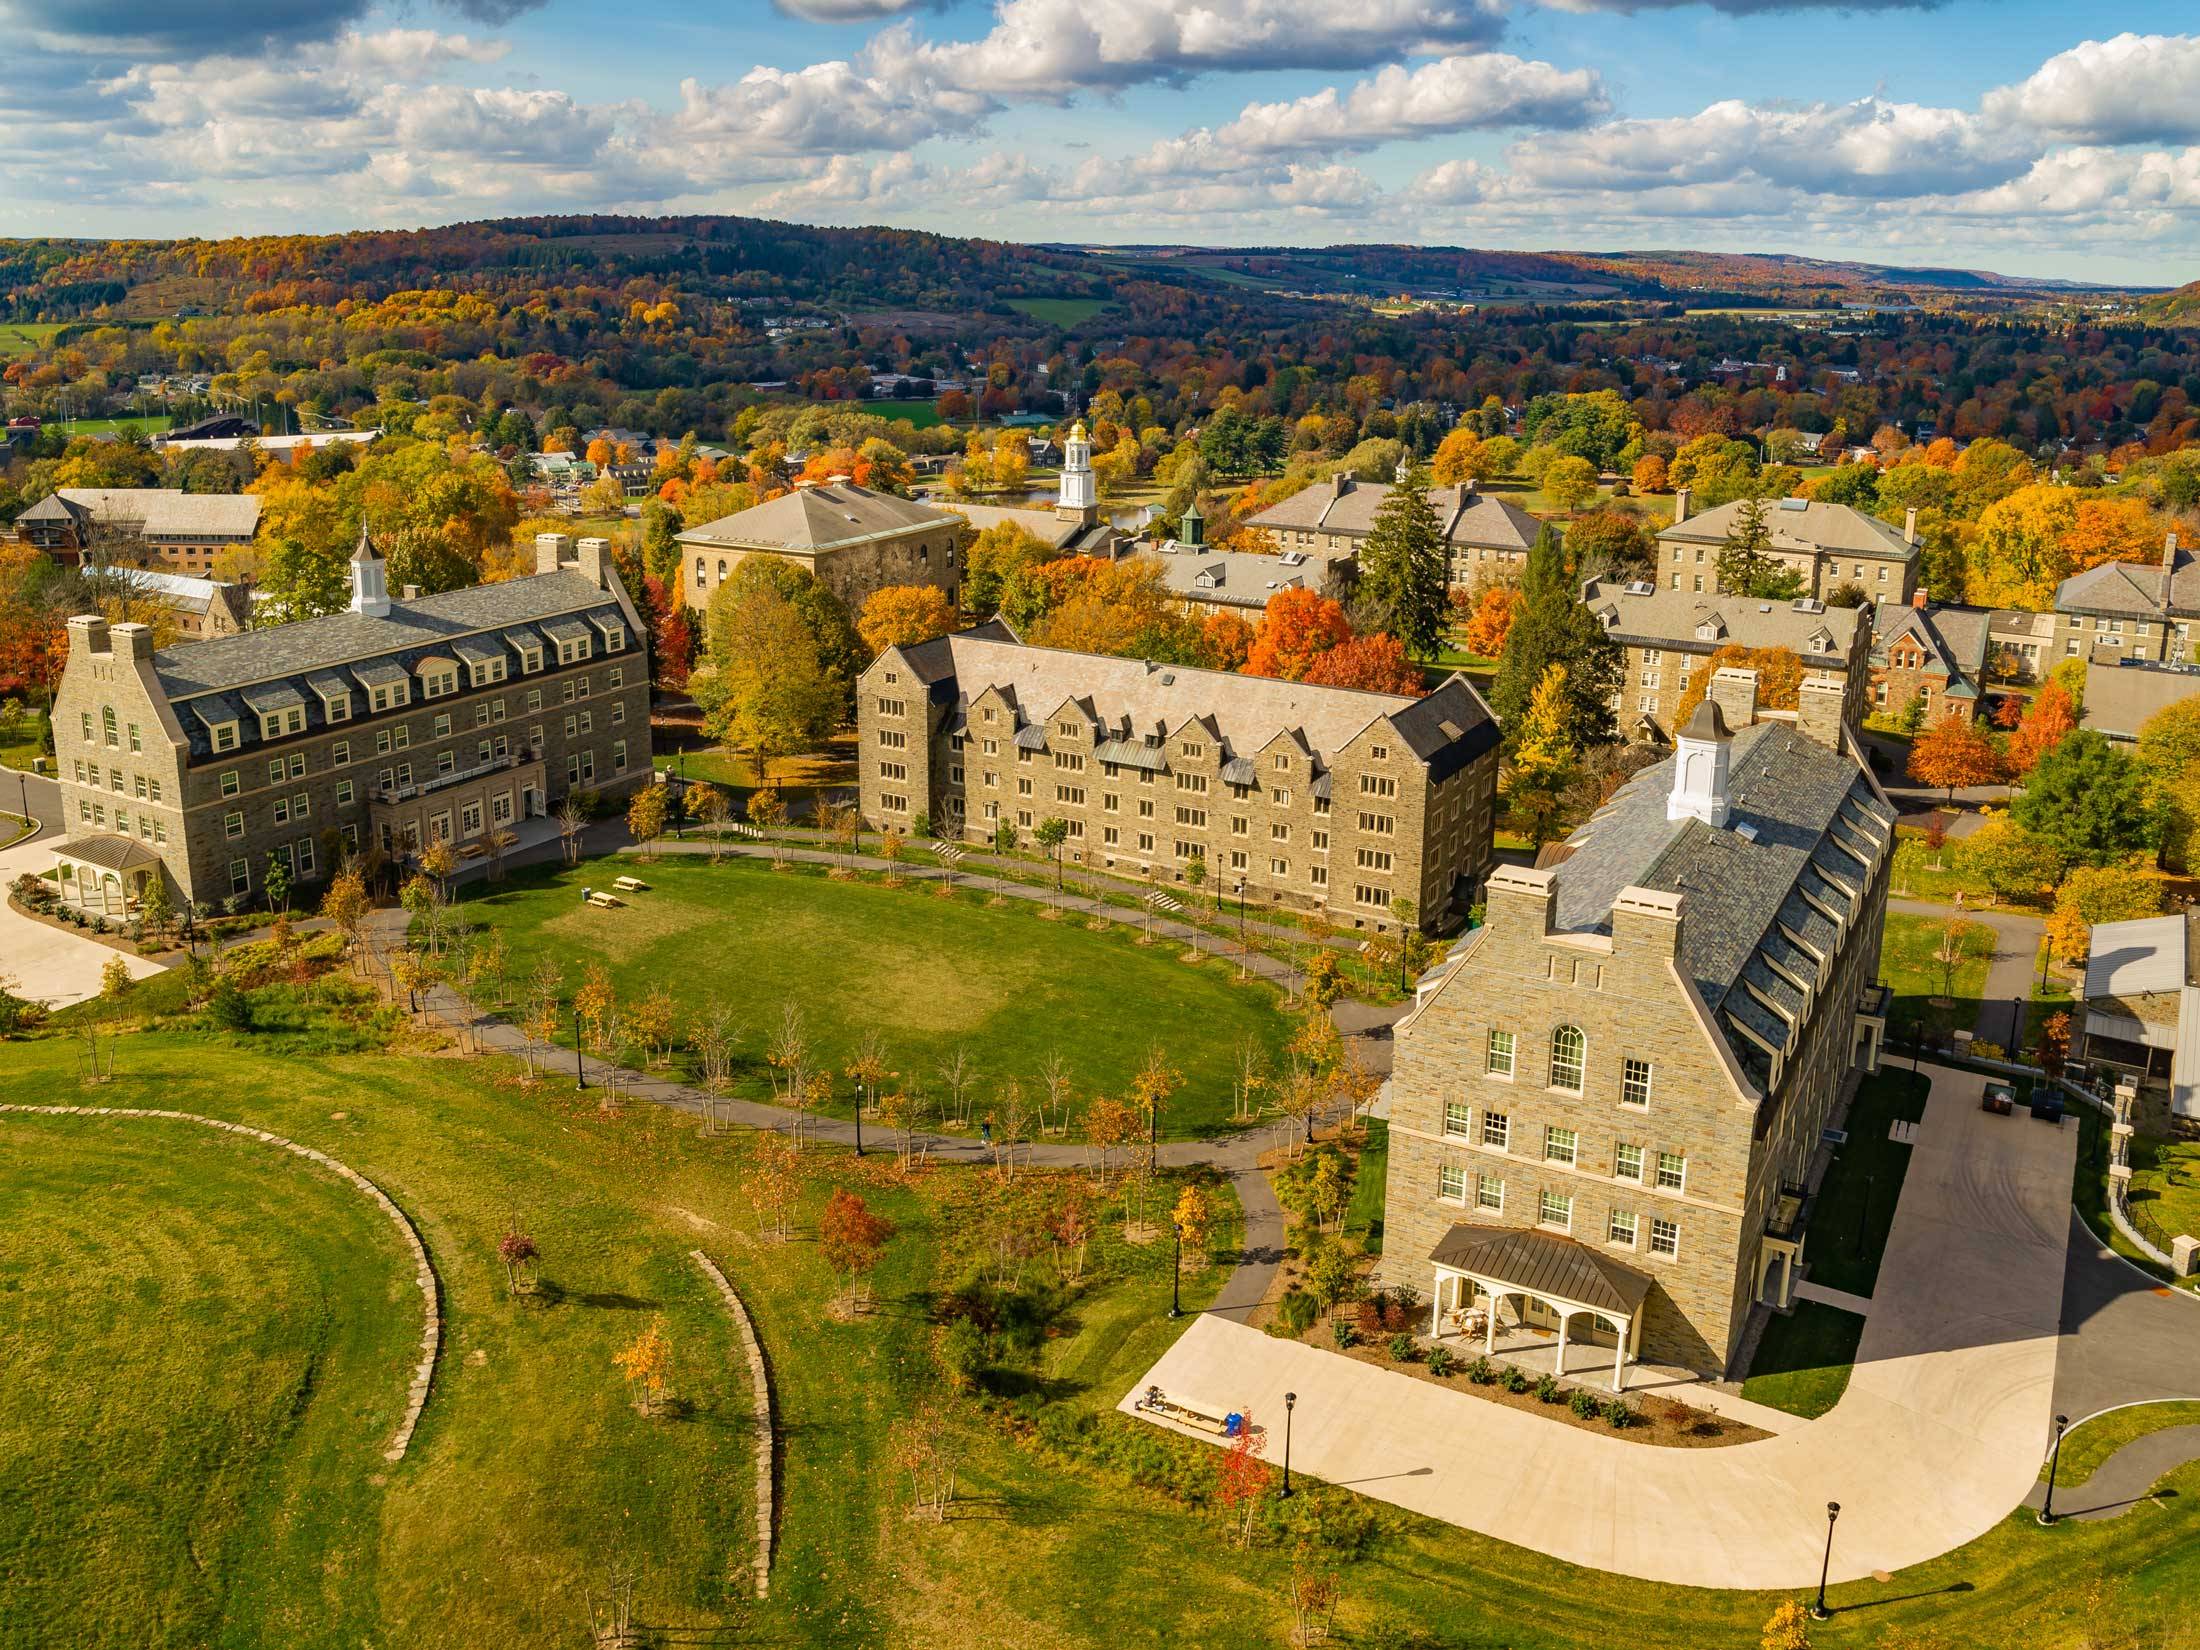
(550, 551)
(132, 641)
(1917, 597)
(1821, 709)
(87, 635)
(1909, 525)
(1680, 505)
(1734, 690)
(1646, 922)
(595, 561)
(1518, 896)
(1341, 483)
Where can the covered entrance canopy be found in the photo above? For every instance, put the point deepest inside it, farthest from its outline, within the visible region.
(105, 874)
(1566, 1277)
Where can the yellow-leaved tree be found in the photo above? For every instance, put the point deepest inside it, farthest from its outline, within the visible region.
(1544, 762)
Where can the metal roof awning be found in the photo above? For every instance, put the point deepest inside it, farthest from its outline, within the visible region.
(109, 853)
(1132, 753)
(1239, 770)
(1031, 737)
(1544, 1263)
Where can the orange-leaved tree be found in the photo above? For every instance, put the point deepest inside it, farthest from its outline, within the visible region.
(1779, 678)
(1298, 626)
(2046, 722)
(1954, 751)
(1492, 619)
(1377, 663)
(902, 615)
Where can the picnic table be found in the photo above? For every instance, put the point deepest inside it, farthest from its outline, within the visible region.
(1156, 1402)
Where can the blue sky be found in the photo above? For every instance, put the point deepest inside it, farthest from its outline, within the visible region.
(2004, 134)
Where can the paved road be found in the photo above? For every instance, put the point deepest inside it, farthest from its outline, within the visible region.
(2125, 1479)
(2126, 1339)
(55, 966)
(1939, 1434)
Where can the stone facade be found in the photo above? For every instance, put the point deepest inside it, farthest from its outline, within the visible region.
(447, 717)
(1934, 653)
(856, 542)
(1319, 799)
(1827, 545)
(2135, 610)
(1642, 1045)
(1332, 519)
(158, 526)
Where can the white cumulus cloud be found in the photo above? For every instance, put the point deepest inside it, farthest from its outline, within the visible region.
(2135, 88)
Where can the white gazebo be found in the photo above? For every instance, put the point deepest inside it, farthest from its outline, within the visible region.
(1484, 1266)
(105, 875)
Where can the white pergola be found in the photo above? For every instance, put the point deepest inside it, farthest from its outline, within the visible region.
(1489, 1265)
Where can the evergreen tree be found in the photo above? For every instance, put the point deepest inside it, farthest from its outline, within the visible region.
(2089, 800)
(1402, 572)
(1554, 628)
(1747, 566)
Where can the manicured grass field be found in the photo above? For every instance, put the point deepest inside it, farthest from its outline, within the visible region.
(532, 1481)
(923, 414)
(1803, 1362)
(207, 1344)
(2165, 1186)
(1060, 312)
(1848, 1230)
(1907, 961)
(139, 423)
(22, 337)
(1363, 1216)
(2089, 1444)
(930, 975)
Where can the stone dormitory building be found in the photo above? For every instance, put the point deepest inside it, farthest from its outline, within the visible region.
(156, 526)
(1317, 798)
(1606, 1102)
(1331, 521)
(1828, 545)
(398, 723)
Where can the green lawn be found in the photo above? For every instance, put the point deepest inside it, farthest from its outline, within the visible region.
(2165, 1187)
(1921, 873)
(930, 975)
(22, 739)
(1855, 1209)
(1803, 1362)
(1363, 1216)
(923, 414)
(532, 1480)
(22, 337)
(205, 1339)
(140, 423)
(2089, 1189)
(1925, 992)
(1060, 312)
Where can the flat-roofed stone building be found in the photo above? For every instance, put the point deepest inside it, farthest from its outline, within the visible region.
(1667, 635)
(396, 723)
(1317, 798)
(1333, 518)
(1828, 544)
(1606, 1101)
(856, 540)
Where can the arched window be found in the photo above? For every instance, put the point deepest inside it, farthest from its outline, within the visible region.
(1569, 1049)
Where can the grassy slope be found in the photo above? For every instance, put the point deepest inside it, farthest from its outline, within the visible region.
(1061, 312)
(530, 1474)
(2089, 1444)
(1848, 1230)
(1906, 962)
(928, 973)
(204, 1339)
(2165, 1186)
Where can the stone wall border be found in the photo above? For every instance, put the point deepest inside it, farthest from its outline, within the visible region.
(760, 1381)
(431, 1300)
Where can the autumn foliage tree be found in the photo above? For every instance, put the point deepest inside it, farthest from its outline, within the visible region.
(1298, 627)
(1376, 663)
(2046, 722)
(1492, 620)
(1954, 751)
(1779, 678)
(646, 1362)
(852, 1237)
(902, 615)
(1242, 1479)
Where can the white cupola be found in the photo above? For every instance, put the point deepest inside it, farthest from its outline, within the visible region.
(1079, 497)
(1700, 755)
(370, 585)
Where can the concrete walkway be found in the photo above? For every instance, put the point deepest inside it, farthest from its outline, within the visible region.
(2126, 1479)
(1939, 1435)
(54, 966)
(1840, 1299)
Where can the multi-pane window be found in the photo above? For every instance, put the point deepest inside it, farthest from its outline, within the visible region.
(1634, 1082)
(1559, 1145)
(1554, 1208)
(1499, 1060)
(1621, 1228)
(1627, 1162)
(1665, 1237)
(1489, 1192)
(1451, 1182)
(1496, 1130)
(1569, 1049)
(233, 825)
(1457, 1116)
(1672, 1171)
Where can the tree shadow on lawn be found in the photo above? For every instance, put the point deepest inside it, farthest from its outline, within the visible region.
(547, 1292)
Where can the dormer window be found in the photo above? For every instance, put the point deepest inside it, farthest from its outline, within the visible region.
(337, 706)
(572, 649)
(437, 681)
(614, 638)
(530, 657)
(225, 736)
(392, 695)
(276, 724)
(486, 671)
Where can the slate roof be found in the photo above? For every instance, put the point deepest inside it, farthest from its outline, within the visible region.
(1954, 640)
(1806, 830)
(1234, 578)
(1134, 700)
(1800, 526)
(1468, 516)
(1657, 617)
(818, 518)
(2119, 697)
(1071, 537)
(1545, 1262)
(2133, 589)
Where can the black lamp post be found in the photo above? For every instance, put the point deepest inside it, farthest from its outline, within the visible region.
(580, 1072)
(2016, 1028)
(859, 1117)
(1241, 911)
(1290, 1402)
(2054, 1464)
(1818, 1611)
(1176, 1269)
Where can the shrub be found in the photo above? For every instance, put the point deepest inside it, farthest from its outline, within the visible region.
(1397, 1317)
(962, 1354)
(1297, 1311)
(1513, 1380)
(1584, 1403)
(1345, 1335)
(1619, 1414)
(230, 1007)
(1481, 1372)
(1547, 1388)
(1403, 1349)
(1367, 1317)
(1440, 1362)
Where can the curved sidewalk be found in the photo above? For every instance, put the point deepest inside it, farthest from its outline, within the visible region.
(1939, 1435)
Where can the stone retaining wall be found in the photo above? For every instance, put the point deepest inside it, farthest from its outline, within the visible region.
(431, 1334)
(760, 1381)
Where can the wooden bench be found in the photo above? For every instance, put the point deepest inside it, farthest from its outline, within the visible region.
(629, 885)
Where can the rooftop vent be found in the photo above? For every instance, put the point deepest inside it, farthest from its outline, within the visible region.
(1795, 504)
(1746, 831)
(1809, 604)
(1641, 587)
